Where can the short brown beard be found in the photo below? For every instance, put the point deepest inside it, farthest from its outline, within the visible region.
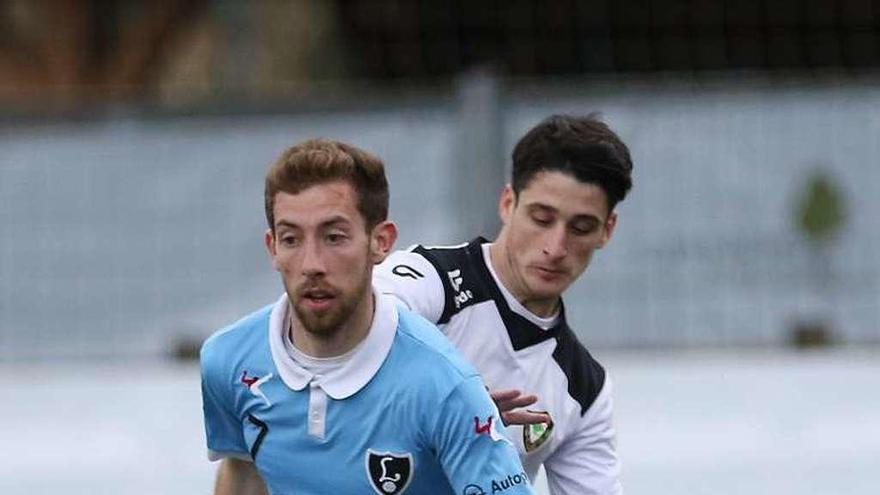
(330, 322)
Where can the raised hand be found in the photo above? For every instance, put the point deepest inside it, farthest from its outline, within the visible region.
(510, 404)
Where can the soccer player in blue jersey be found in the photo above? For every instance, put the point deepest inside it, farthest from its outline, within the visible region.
(334, 388)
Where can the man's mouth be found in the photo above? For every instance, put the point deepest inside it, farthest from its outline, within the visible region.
(548, 273)
(317, 298)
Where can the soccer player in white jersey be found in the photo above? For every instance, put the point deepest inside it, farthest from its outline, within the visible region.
(500, 302)
(333, 388)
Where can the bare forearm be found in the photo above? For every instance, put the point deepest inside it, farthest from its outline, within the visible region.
(236, 477)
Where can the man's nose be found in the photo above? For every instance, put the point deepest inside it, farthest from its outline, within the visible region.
(312, 261)
(555, 243)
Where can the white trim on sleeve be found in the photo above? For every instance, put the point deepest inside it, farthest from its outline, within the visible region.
(215, 455)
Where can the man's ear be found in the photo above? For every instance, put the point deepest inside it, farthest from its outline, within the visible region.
(506, 203)
(608, 231)
(269, 240)
(382, 240)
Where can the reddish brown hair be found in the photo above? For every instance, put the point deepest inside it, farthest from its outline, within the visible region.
(324, 160)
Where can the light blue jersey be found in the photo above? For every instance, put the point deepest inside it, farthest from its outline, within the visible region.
(405, 414)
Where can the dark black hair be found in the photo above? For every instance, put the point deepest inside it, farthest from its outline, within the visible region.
(583, 147)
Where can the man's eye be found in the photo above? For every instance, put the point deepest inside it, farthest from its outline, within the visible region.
(288, 240)
(335, 238)
(541, 221)
(583, 229)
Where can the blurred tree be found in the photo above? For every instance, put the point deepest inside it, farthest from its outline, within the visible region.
(84, 51)
(820, 216)
(62, 52)
(821, 211)
(66, 53)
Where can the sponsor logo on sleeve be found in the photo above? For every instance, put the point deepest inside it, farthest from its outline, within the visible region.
(473, 490)
(489, 427)
(407, 271)
(389, 473)
(498, 486)
(461, 296)
(511, 481)
(253, 384)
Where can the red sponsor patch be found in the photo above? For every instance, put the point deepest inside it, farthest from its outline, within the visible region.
(248, 381)
(486, 428)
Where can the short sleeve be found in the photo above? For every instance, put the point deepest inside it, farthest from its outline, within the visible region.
(414, 281)
(472, 445)
(223, 429)
(587, 463)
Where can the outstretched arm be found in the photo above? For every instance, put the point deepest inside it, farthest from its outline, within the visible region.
(237, 477)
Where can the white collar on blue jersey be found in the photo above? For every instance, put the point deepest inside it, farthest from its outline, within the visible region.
(354, 374)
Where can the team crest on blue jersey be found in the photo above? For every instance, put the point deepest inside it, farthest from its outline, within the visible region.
(389, 473)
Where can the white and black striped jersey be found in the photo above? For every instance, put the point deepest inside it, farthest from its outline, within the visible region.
(511, 347)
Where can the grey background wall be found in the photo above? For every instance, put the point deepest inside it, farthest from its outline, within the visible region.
(119, 236)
